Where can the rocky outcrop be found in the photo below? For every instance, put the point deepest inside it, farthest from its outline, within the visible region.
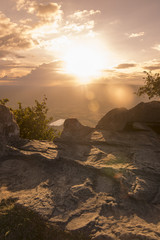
(9, 129)
(118, 119)
(106, 184)
(74, 131)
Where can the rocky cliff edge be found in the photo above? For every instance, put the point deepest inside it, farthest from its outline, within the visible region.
(104, 182)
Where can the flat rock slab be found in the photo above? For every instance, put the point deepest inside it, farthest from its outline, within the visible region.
(106, 184)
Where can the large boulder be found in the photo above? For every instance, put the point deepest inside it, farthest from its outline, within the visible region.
(9, 129)
(74, 131)
(118, 119)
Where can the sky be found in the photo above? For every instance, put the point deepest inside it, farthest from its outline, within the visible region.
(71, 42)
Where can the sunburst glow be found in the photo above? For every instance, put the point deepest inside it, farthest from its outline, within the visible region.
(85, 62)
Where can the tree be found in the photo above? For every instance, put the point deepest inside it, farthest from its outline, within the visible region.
(151, 87)
(33, 121)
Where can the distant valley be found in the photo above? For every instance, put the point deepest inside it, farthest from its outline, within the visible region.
(87, 103)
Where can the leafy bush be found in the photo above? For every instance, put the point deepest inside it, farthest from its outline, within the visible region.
(4, 101)
(151, 87)
(33, 121)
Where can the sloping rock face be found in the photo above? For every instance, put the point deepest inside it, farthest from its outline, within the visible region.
(117, 119)
(74, 131)
(106, 183)
(9, 129)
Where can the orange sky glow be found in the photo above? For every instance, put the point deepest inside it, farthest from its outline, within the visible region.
(78, 42)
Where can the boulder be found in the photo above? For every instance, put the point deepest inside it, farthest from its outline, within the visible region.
(74, 131)
(145, 113)
(9, 129)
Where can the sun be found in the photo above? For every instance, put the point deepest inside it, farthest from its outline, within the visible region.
(84, 62)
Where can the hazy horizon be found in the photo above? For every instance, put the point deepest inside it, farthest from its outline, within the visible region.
(87, 103)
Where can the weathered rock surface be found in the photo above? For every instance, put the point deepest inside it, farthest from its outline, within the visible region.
(145, 113)
(74, 131)
(105, 183)
(9, 129)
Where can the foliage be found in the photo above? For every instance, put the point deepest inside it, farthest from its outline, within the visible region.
(151, 87)
(4, 101)
(18, 222)
(33, 121)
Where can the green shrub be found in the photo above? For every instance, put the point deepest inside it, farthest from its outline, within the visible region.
(4, 101)
(33, 121)
(151, 86)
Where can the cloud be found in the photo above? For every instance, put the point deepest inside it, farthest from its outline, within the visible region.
(14, 67)
(16, 41)
(6, 26)
(74, 27)
(13, 36)
(83, 14)
(115, 77)
(126, 65)
(136, 35)
(53, 74)
(157, 47)
(4, 53)
(45, 75)
(46, 12)
(114, 22)
(152, 67)
(81, 21)
(47, 9)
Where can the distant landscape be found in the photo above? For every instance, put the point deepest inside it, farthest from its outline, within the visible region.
(87, 103)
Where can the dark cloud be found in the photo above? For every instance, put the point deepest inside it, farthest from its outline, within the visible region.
(45, 9)
(19, 56)
(4, 53)
(16, 41)
(126, 65)
(7, 64)
(152, 67)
